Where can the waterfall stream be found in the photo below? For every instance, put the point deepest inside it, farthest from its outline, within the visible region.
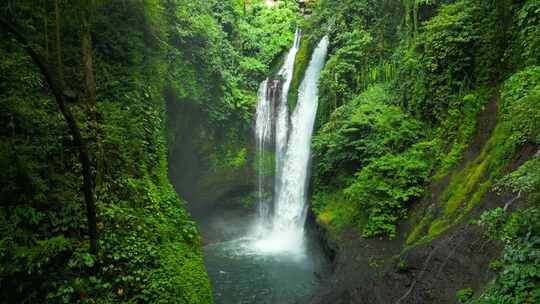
(271, 129)
(284, 233)
(274, 260)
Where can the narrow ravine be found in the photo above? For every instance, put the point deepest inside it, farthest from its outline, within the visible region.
(269, 256)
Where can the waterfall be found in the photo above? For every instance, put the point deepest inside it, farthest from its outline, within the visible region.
(263, 133)
(283, 231)
(271, 127)
(291, 199)
(282, 117)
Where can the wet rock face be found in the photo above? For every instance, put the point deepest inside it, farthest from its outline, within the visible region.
(190, 142)
(374, 272)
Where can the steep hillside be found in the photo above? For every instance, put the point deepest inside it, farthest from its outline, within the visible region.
(103, 103)
(119, 115)
(425, 176)
(111, 66)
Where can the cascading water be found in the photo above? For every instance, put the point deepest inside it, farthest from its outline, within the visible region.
(290, 210)
(282, 117)
(271, 127)
(274, 262)
(263, 133)
(293, 141)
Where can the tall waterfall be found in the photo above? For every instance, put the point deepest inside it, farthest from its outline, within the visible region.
(263, 133)
(271, 127)
(290, 136)
(282, 116)
(290, 204)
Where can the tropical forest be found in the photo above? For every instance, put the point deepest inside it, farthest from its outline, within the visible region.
(270, 151)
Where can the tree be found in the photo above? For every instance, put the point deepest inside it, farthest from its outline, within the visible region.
(57, 90)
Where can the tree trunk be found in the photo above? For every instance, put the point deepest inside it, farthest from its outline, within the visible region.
(84, 158)
(90, 82)
(46, 30)
(59, 60)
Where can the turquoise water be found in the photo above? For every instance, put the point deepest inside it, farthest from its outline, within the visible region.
(241, 275)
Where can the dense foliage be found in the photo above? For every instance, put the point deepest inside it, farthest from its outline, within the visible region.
(444, 92)
(519, 231)
(144, 54)
(414, 92)
(371, 133)
(433, 65)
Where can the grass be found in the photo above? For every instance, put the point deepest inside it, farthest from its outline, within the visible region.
(463, 185)
(468, 187)
(466, 123)
(437, 227)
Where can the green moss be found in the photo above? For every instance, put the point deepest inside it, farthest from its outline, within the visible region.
(477, 197)
(437, 227)
(467, 187)
(518, 120)
(464, 186)
(416, 230)
(300, 66)
(335, 212)
(460, 127)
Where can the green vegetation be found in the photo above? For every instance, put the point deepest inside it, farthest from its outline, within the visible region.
(519, 231)
(518, 280)
(430, 92)
(366, 128)
(464, 295)
(377, 136)
(415, 95)
(335, 212)
(111, 67)
(461, 125)
(301, 63)
(384, 187)
(404, 103)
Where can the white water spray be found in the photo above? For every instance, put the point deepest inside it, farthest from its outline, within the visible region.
(284, 233)
(263, 133)
(271, 127)
(282, 117)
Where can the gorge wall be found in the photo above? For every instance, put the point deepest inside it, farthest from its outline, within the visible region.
(426, 142)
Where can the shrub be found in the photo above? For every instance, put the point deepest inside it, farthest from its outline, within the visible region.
(385, 187)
